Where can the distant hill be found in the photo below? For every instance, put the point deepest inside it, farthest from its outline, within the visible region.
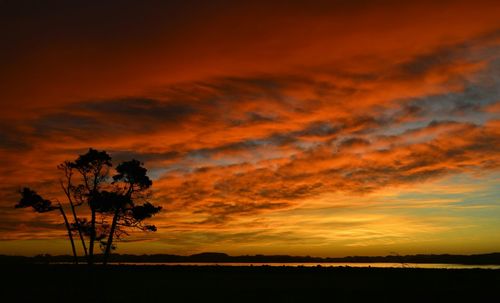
(214, 257)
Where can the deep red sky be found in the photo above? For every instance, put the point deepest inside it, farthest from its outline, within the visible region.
(320, 128)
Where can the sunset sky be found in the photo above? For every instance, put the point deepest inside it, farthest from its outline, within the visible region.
(322, 128)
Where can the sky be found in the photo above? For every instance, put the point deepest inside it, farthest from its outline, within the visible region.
(322, 128)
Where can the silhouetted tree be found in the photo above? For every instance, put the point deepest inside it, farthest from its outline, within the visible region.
(30, 198)
(123, 200)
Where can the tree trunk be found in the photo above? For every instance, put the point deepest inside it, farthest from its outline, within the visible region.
(110, 237)
(77, 223)
(78, 226)
(113, 227)
(69, 233)
(92, 238)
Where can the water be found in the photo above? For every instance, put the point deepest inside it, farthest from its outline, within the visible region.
(374, 265)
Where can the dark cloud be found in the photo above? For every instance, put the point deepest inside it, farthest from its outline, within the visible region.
(139, 108)
(254, 118)
(318, 129)
(147, 157)
(447, 55)
(353, 142)
(74, 125)
(11, 138)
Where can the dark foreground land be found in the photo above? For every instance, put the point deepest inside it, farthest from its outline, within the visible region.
(68, 283)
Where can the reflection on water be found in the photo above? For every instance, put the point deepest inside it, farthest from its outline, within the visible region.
(376, 265)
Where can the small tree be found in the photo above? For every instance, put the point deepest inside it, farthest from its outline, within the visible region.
(114, 204)
(29, 198)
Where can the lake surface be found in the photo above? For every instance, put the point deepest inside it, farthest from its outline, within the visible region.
(376, 265)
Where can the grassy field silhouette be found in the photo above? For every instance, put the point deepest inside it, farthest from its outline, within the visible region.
(131, 283)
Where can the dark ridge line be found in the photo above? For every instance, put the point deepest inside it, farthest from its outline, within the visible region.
(210, 257)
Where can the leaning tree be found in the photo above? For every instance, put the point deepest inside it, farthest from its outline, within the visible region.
(29, 198)
(108, 206)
